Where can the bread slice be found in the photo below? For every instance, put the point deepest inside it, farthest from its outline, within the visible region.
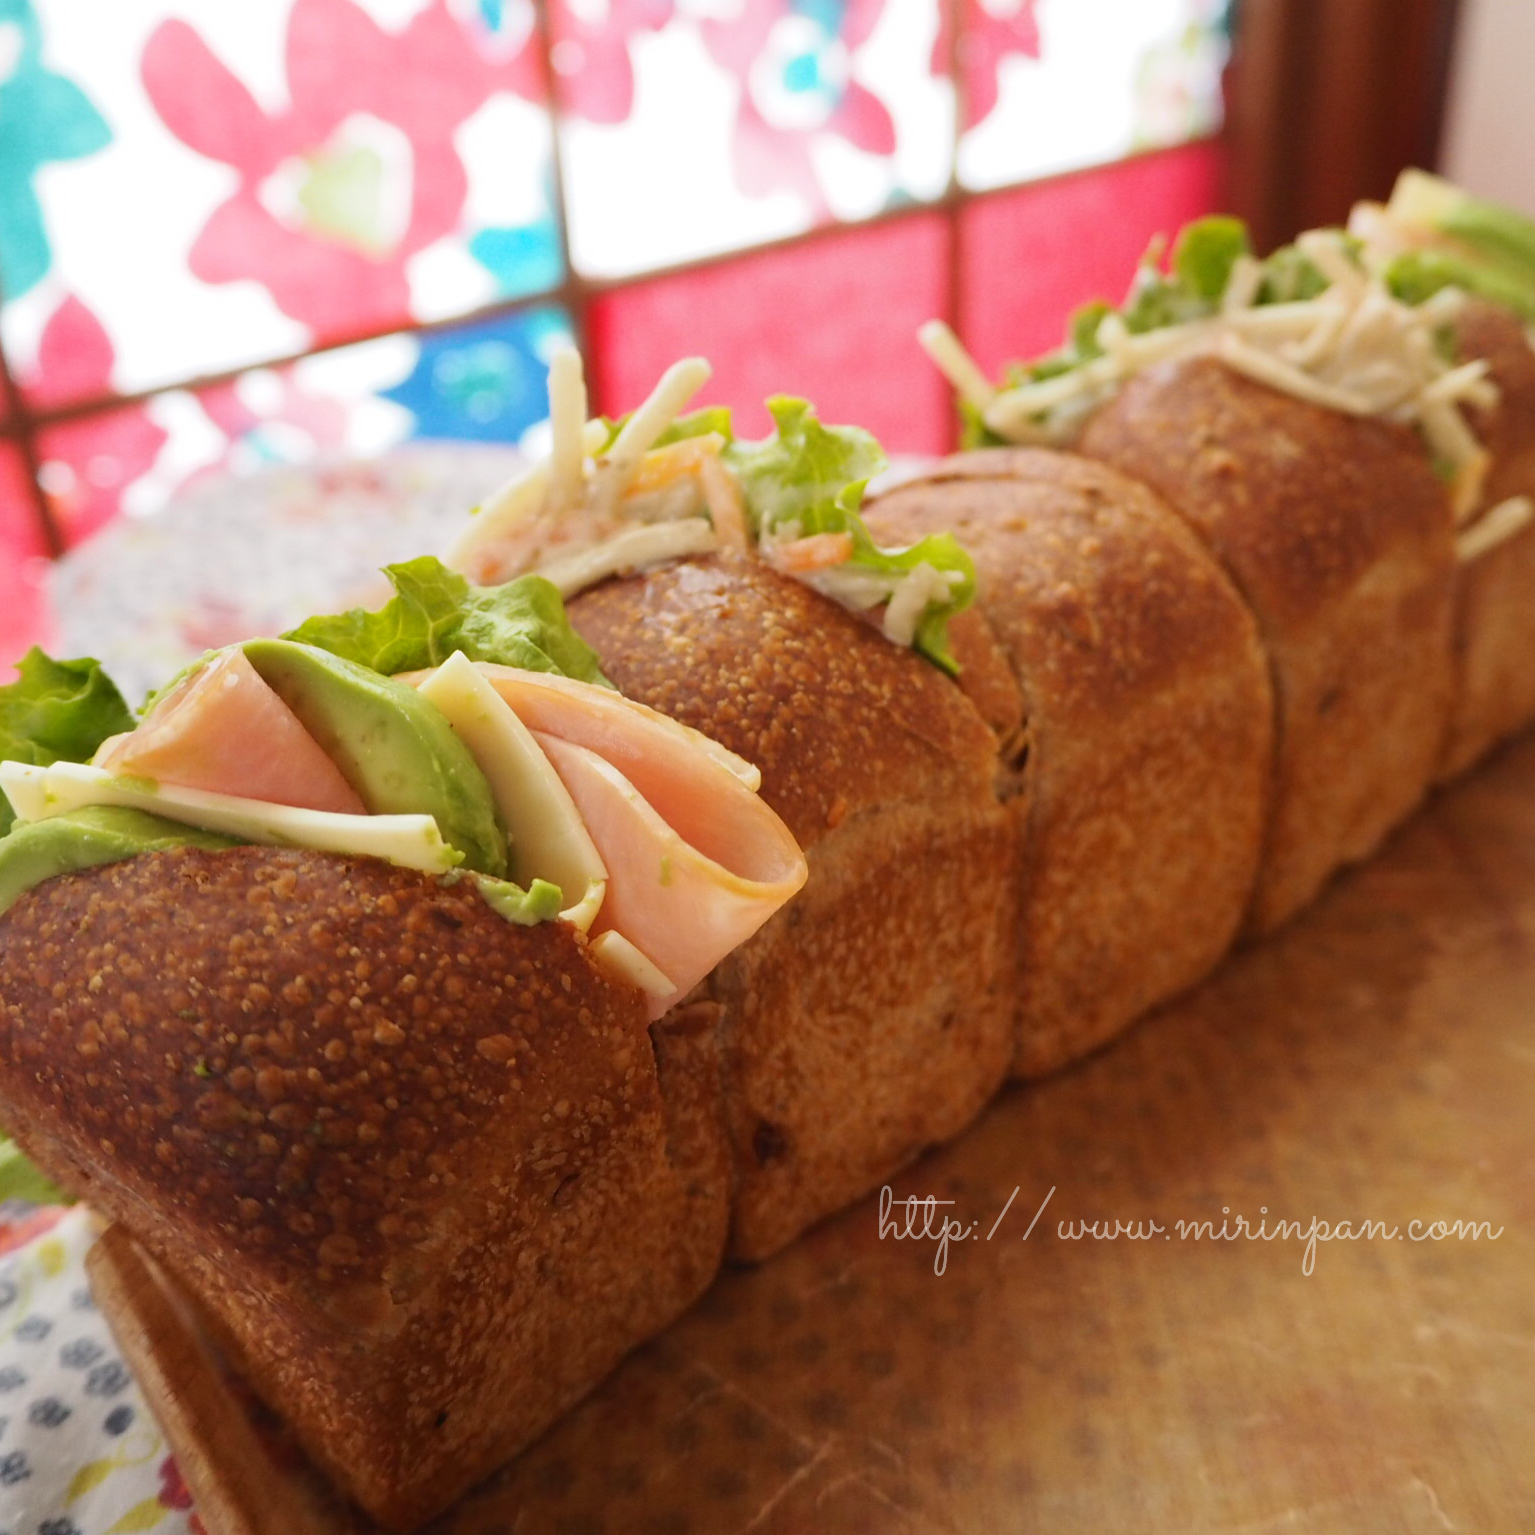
(1495, 617)
(1148, 720)
(425, 1173)
(871, 1017)
(1339, 536)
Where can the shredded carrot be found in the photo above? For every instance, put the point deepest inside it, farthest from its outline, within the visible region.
(661, 466)
(818, 552)
(723, 498)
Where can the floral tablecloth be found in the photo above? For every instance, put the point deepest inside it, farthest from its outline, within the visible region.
(79, 1452)
(256, 555)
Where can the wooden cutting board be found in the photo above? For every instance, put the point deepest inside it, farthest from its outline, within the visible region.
(1375, 1062)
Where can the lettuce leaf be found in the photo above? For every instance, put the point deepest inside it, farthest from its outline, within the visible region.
(1205, 253)
(1289, 277)
(1416, 276)
(813, 476)
(57, 711)
(942, 551)
(1202, 260)
(803, 466)
(436, 611)
(19, 1179)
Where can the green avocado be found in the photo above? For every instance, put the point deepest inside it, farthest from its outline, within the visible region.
(393, 747)
(82, 839)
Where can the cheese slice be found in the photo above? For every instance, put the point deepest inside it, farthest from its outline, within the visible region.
(412, 841)
(543, 825)
(619, 959)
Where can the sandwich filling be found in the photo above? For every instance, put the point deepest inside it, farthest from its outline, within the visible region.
(462, 731)
(618, 497)
(1360, 321)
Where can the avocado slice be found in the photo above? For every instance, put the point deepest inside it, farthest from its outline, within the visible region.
(393, 746)
(81, 839)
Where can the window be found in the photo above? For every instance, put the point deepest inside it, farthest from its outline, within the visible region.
(236, 235)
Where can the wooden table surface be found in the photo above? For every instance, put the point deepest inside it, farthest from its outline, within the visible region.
(1375, 1062)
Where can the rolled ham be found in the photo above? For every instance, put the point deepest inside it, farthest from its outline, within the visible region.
(695, 861)
(224, 730)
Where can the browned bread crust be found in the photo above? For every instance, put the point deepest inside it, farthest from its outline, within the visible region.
(1495, 619)
(872, 1016)
(414, 1162)
(1148, 717)
(1339, 536)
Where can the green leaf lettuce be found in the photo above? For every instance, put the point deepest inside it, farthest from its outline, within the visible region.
(813, 476)
(19, 1179)
(57, 711)
(436, 611)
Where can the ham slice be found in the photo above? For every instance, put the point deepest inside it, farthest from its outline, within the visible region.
(696, 862)
(607, 722)
(688, 884)
(223, 730)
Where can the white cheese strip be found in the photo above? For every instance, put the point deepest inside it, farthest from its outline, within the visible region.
(567, 423)
(619, 960)
(23, 786)
(1323, 336)
(1014, 409)
(1113, 336)
(677, 386)
(473, 551)
(956, 364)
(1458, 382)
(412, 841)
(584, 912)
(547, 836)
(1242, 287)
(1451, 439)
(921, 585)
(653, 543)
(1324, 250)
(1297, 318)
(1268, 369)
(1499, 524)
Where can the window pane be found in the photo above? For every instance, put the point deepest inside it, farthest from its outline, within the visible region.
(218, 184)
(834, 319)
(484, 380)
(704, 128)
(1055, 84)
(24, 617)
(1032, 255)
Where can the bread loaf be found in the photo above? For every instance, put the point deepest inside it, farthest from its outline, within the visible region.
(1339, 536)
(1139, 802)
(426, 1172)
(870, 1018)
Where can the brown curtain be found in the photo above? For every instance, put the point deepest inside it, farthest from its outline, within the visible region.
(1328, 100)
